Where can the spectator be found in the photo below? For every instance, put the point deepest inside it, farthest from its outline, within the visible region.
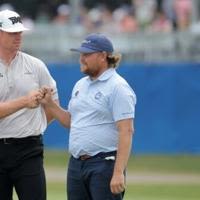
(144, 11)
(125, 20)
(161, 23)
(63, 15)
(183, 10)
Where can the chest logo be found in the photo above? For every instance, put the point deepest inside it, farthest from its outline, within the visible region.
(98, 95)
(27, 73)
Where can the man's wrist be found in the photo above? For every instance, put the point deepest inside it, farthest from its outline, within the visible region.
(23, 101)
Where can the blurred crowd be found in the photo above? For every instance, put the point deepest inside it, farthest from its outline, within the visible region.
(128, 17)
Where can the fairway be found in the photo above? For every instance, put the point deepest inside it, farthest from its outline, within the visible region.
(149, 177)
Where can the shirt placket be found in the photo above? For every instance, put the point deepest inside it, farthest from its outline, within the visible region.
(9, 78)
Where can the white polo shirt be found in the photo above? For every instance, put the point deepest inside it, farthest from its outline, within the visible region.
(95, 107)
(25, 73)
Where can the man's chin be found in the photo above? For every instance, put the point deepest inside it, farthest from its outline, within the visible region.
(16, 48)
(83, 68)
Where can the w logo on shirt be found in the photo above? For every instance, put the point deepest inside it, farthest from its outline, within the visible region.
(98, 95)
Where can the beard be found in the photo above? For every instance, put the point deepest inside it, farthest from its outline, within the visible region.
(93, 73)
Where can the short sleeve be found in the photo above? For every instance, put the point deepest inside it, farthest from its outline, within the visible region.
(123, 102)
(45, 79)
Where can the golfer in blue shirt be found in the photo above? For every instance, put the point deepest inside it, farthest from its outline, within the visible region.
(100, 117)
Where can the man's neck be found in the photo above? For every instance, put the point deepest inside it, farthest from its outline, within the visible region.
(7, 56)
(99, 73)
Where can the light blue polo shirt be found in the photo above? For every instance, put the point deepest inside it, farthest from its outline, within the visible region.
(95, 107)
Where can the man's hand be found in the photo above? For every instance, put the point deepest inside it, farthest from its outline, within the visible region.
(33, 98)
(117, 184)
(46, 93)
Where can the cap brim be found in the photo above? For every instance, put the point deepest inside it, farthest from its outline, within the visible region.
(14, 30)
(83, 50)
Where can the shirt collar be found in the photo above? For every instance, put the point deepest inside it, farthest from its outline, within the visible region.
(105, 75)
(13, 60)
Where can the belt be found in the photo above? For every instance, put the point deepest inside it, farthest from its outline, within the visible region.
(100, 155)
(84, 157)
(19, 140)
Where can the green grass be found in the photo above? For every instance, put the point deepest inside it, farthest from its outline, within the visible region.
(159, 163)
(140, 192)
(162, 192)
(56, 158)
(162, 164)
(56, 191)
(165, 163)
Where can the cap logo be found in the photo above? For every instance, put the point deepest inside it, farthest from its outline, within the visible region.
(86, 41)
(95, 43)
(15, 20)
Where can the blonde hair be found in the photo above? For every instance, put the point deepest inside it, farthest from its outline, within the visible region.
(114, 60)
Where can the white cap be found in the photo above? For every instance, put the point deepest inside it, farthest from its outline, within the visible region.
(10, 21)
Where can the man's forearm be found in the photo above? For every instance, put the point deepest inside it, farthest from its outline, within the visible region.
(125, 129)
(10, 107)
(48, 113)
(29, 101)
(60, 114)
(123, 152)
